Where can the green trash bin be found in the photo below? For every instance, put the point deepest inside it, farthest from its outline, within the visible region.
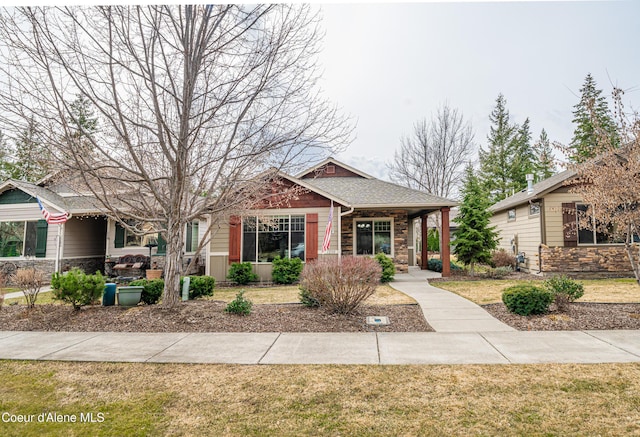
(109, 295)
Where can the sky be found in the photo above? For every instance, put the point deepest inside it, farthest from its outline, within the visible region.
(388, 65)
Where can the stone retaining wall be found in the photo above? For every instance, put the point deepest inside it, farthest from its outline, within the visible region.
(608, 260)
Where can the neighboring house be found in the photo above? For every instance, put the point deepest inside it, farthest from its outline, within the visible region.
(369, 216)
(542, 224)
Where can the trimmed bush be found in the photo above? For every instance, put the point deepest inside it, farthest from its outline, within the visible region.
(435, 265)
(564, 289)
(286, 270)
(152, 290)
(500, 258)
(341, 286)
(201, 286)
(77, 288)
(388, 268)
(239, 305)
(527, 299)
(242, 273)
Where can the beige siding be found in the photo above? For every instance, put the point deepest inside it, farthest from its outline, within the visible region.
(553, 216)
(84, 237)
(219, 247)
(526, 230)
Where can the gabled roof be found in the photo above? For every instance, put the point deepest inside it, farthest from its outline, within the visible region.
(540, 189)
(74, 205)
(333, 161)
(374, 193)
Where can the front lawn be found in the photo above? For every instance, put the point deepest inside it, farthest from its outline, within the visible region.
(595, 290)
(233, 400)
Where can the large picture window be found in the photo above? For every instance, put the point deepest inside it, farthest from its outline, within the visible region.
(590, 234)
(373, 236)
(23, 238)
(264, 238)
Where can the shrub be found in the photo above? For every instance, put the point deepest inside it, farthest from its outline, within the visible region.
(498, 272)
(152, 290)
(77, 288)
(388, 268)
(286, 270)
(239, 305)
(564, 290)
(307, 300)
(30, 281)
(242, 273)
(500, 258)
(341, 286)
(527, 299)
(435, 265)
(3, 283)
(200, 286)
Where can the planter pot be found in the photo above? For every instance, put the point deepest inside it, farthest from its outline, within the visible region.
(129, 296)
(154, 274)
(109, 295)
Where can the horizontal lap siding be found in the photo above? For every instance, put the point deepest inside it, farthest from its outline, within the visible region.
(553, 216)
(526, 227)
(84, 237)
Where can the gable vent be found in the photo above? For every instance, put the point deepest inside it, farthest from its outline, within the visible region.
(331, 169)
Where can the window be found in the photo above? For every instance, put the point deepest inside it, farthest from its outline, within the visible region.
(511, 215)
(589, 234)
(191, 239)
(23, 238)
(534, 208)
(373, 236)
(127, 238)
(264, 238)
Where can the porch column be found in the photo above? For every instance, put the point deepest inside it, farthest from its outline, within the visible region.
(424, 261)
(445, 250)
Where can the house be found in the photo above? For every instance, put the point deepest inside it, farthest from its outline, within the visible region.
(542, 224)
(369, 216)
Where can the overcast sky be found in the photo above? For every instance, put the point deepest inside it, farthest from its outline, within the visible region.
(388, 64)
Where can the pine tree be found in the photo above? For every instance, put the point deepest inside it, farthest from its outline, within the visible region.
(474, 238)
(32, 160)
(590, 116)
(523, 158)
(545, 166)
(6, 163)
(496, 162)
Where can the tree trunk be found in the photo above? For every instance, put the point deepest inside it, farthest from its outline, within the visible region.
(173, 265)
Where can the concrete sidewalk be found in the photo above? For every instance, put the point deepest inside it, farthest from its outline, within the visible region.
(326, 348)
(466, 334)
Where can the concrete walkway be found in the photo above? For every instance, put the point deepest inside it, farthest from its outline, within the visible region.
(446, 311)
(466, 335)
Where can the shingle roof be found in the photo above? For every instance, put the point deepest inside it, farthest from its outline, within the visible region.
(539, 189)
(73, 204)
(359, 192)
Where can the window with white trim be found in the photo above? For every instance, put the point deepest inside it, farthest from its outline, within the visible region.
(373, 236)
(23, 238)
(265, 238)
(590, 234)
(192, 237)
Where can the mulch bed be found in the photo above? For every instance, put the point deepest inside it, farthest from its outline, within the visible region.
(207, 316)
(578, 316)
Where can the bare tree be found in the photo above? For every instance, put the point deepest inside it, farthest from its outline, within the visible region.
(191, 102)
(433, 158)
(610, 183)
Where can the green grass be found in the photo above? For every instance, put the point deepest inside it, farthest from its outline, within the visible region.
(230, 400)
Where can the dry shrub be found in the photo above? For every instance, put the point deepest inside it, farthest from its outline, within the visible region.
(501, 258)
(3, 283)
(30, 281)
(341, 286)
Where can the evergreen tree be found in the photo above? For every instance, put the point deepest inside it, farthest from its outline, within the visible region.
(590, 116)
(523, 158)
(474, 238)
(496, 162)
(545, 166)
(6, 162)
(32, 160)
(82, 117)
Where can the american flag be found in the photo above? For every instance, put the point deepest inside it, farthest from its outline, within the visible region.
(327, 232)
(53, 218)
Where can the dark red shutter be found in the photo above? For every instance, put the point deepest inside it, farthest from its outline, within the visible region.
(311, 238)
(569, 224)
(235, 239)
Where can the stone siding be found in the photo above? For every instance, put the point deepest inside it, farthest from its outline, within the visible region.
(89, 265)
(400, 234)
(605, 260)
